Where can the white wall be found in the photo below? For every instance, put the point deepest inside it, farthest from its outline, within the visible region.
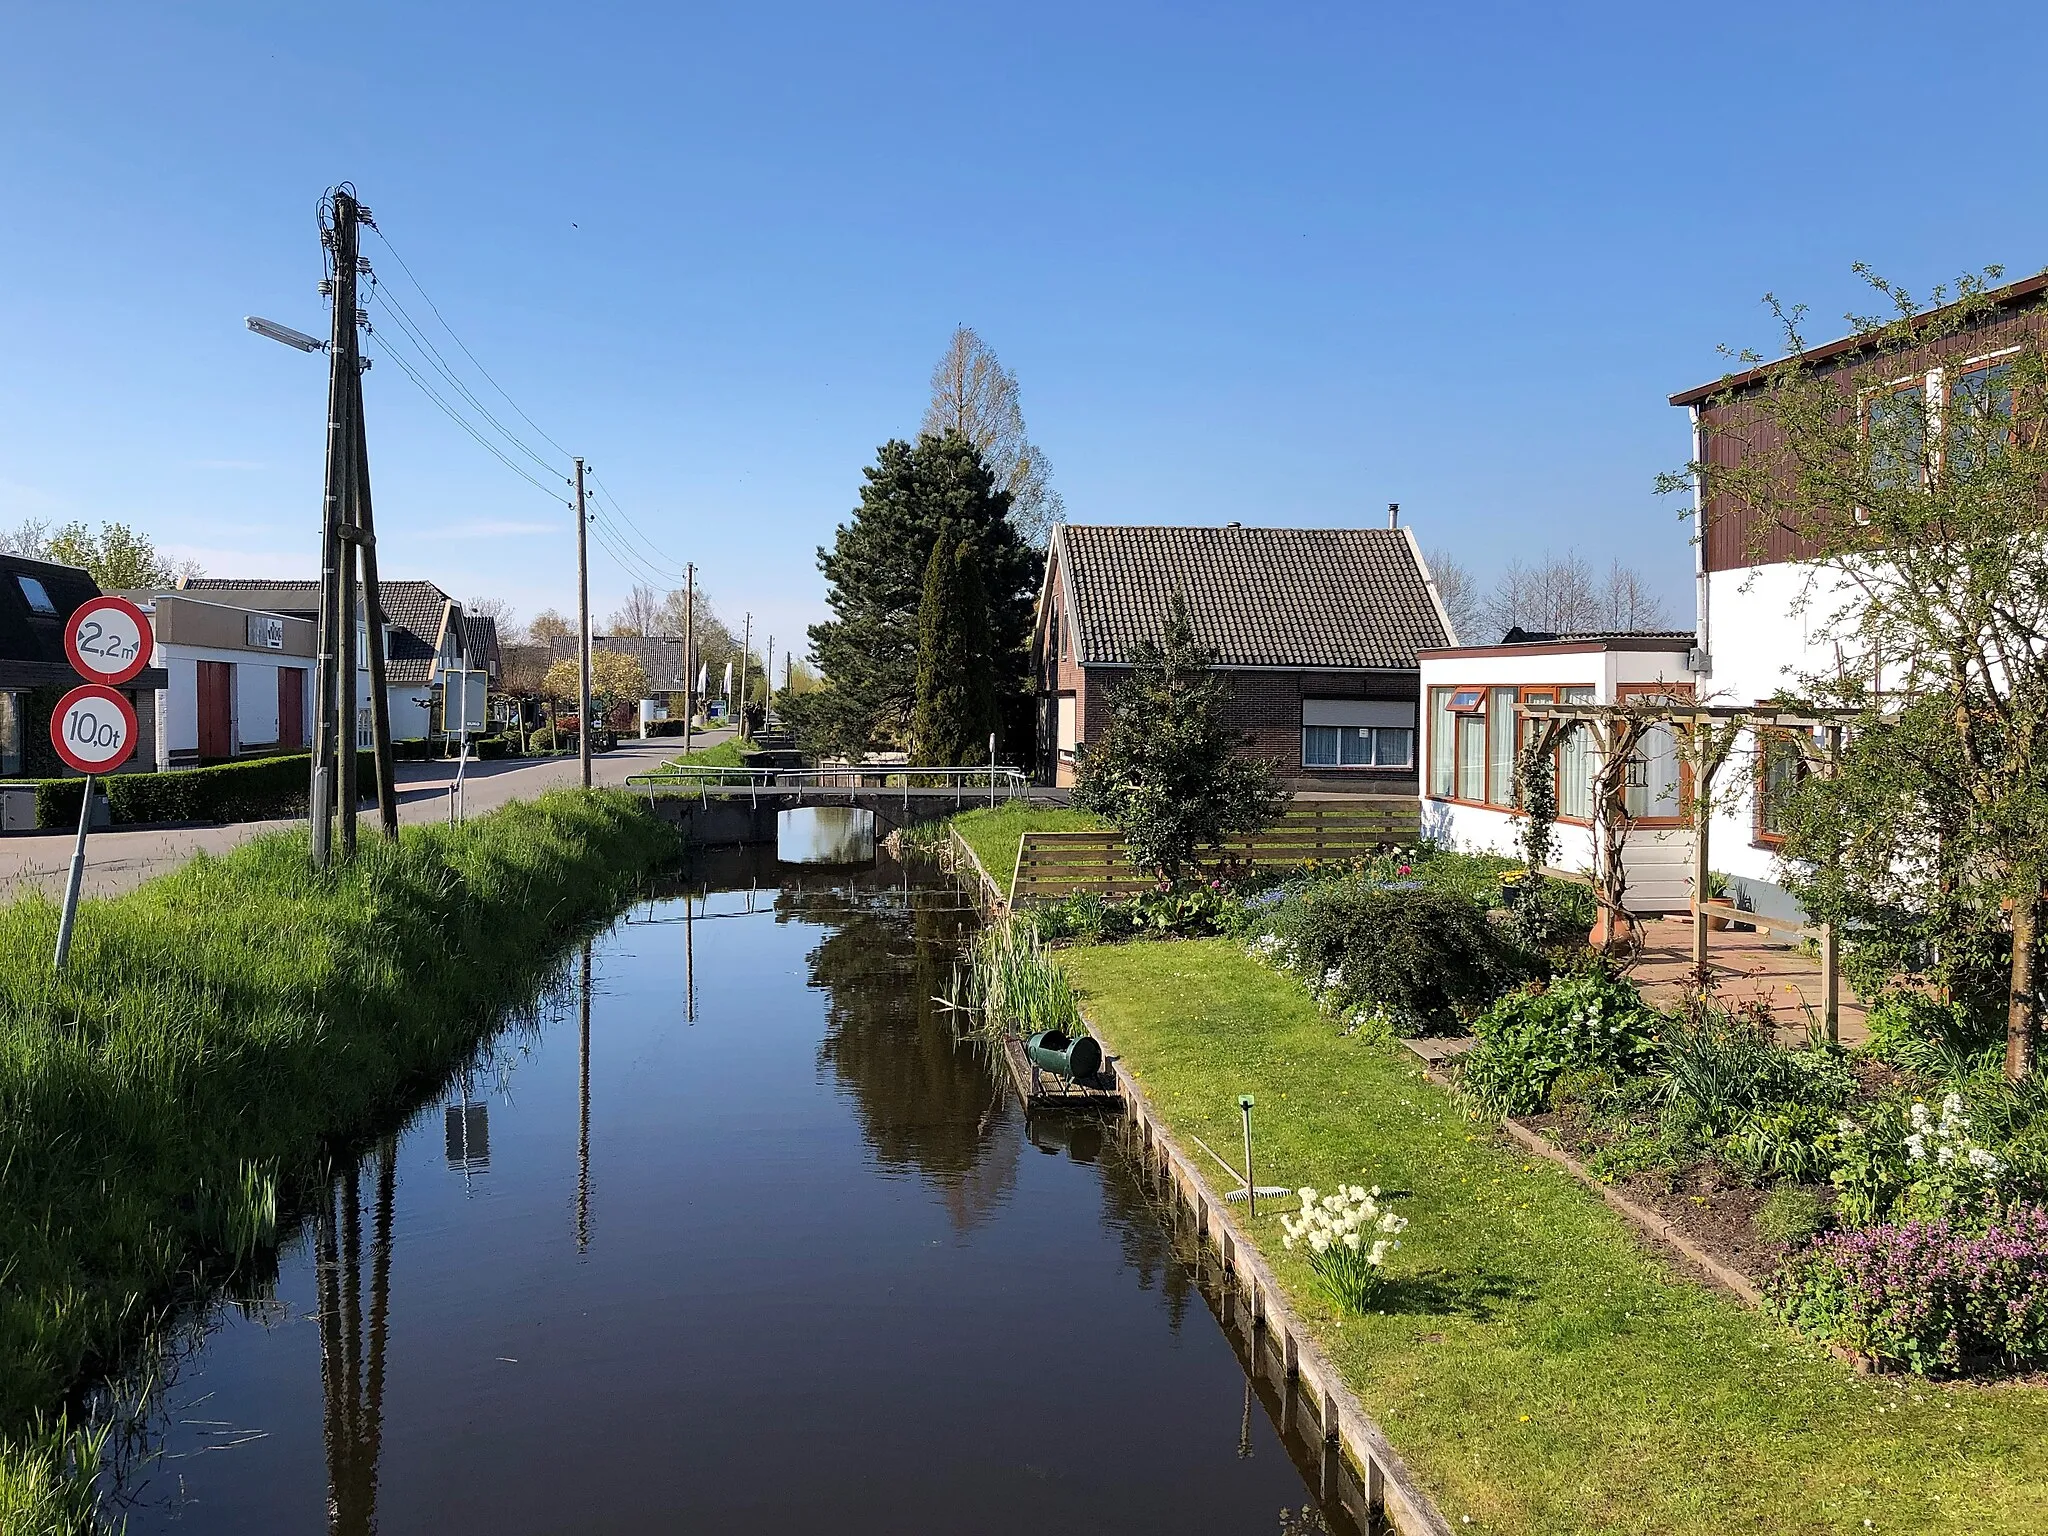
(1659, 859)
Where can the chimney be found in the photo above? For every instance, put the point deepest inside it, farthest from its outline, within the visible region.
(1393, 514)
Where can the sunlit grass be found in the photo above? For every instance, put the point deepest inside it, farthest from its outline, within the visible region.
(993, 832)
(1536, 1366)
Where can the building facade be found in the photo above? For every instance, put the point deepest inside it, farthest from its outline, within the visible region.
(238, 679)
(1763, 601)
(1317, 629)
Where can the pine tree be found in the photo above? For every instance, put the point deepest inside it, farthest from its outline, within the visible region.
(1168, 770)
(951, 716)
(876, 573)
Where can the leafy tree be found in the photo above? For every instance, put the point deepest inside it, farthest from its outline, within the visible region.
(615, 678)
(955, 709)
(1168, 770)
(875, 574)
(120, 558)
(1928, 523)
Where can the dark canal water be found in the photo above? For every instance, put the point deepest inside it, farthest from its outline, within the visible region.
(734, 1236)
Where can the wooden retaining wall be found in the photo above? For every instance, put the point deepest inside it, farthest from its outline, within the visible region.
(1058, 863)
(1360, 1467)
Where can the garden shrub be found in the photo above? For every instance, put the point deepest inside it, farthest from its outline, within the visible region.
(1547, 915)
(1536, 1034)
(1422, 960)
(1191, 912)
(256, 789)
(1929, 1295)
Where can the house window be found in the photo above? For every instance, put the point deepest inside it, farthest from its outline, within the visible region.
(37, 595)
(1780, 770)
(1979, 414)
(1575, 764)
(1441, 782)
(1657, 786)
(1500, 757)
(1895, 423)
(1065, 727)
(1475, 733)
(1357, 733)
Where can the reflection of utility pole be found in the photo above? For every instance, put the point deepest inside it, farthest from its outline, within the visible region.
(583, 1112)
(689, 957)
(353, 1396)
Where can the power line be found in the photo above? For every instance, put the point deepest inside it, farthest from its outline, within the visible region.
(463, 422)
(480, 368)
(652, 548)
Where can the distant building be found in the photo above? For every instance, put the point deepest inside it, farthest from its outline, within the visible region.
(36, 601)
(238, 679)
(426, 637)
(1317, 629)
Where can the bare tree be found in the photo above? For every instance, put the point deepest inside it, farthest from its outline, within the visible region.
(640, 614)
(975, 395)
(549, 626)
(30, 539)
(500, 613)
(1459, 591)
(1558, 596)
(1629, 602)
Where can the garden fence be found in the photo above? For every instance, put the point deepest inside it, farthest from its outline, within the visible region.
(1059, 863)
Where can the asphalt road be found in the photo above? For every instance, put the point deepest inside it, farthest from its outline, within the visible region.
(120, 860)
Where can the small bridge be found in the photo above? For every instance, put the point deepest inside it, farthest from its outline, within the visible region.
(739, 805)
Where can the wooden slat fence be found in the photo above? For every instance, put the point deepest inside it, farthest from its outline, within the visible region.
(1058, 863)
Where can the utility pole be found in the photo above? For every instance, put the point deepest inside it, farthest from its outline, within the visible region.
(582, 631)
(689, 652)
(339, 238)
(767, 680)
(373, 612)
(746, 642)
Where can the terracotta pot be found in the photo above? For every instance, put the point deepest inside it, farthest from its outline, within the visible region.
(1608, 931)
(1717, 924)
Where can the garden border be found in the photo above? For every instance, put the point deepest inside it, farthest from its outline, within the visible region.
(991, 893)
(1392, 1492)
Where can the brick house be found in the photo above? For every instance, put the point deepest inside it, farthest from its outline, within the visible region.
(1318, 630)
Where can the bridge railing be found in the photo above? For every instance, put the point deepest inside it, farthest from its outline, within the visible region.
(963, 785)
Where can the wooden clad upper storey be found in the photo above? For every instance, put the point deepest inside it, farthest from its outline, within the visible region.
(1730, 427)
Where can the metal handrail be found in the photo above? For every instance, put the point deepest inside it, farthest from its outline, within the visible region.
(1009, 783)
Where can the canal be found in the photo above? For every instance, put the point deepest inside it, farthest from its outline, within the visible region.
(729, 1232)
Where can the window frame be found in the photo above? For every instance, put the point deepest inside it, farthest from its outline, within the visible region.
(1760, 834)
(1553, 692)
(1406, 765)
(1623, 692)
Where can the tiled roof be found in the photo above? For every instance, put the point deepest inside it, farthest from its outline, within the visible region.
(480, 641)
(660, 655)
(415, 609)
(1343, 598)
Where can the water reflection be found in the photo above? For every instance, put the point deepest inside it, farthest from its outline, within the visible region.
(825, 834)
(809, 1301)
(351, 1360)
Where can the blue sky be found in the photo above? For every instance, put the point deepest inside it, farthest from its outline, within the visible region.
(1277, 264)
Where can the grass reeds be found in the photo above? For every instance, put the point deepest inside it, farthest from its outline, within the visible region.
(1014, 986)
(218, 1031)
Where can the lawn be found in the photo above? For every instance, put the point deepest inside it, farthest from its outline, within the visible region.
(1536, 1366)
(993, 833)
(727, 754)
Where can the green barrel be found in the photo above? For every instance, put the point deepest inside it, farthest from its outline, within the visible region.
(1052, 1050)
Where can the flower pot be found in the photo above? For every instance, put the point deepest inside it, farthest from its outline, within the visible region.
(1717, 924)
(1608, 930)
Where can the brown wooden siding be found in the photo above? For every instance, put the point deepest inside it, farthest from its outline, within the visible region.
(1732, 430)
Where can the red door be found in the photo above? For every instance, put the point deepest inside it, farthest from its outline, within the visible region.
(291, 706)
(216, 709)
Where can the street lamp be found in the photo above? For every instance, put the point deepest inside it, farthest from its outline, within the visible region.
(284, 333)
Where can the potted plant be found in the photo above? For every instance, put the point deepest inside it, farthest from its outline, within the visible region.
(1717, 890)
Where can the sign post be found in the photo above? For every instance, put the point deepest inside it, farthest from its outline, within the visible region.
(93, 728)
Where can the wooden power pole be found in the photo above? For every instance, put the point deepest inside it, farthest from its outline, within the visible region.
(689, 651)
(582, 631)
(746, 644)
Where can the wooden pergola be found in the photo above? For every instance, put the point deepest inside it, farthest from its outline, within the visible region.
(1704, 734)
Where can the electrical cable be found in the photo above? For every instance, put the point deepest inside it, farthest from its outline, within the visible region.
(660, 555)
(398, 357)
(480, 368)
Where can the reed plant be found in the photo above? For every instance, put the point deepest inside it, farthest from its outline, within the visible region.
(218, 1033)
(1015, 986)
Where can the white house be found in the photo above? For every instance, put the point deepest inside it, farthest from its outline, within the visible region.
(1474, 721)
(427, 643)
(240, 678)
(1762, 602)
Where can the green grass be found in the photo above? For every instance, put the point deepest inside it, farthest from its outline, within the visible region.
(727, 754)
(1539, 1370)
(993, 833)
(217, 1031)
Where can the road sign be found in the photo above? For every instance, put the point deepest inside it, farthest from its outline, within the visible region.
(93, 728)
(107, 639)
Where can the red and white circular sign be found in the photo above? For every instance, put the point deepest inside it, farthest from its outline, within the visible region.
(107, 639)
(93, 729)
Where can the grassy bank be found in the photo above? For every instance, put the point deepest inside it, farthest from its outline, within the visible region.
(220, 1028)
(993, 832)
(1535, 1365)
(729, 753)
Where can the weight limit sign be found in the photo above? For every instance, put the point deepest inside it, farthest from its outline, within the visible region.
(93, 728)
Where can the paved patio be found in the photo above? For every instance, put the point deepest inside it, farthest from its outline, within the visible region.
(1749, 967)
